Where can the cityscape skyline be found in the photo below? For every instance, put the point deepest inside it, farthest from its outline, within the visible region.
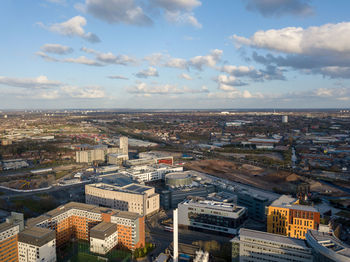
(166, 54)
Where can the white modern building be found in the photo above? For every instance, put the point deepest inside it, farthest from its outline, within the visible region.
(37, 244)
(103, 237)
(211, 215)
(284, 119)
(133, 197)
(326, 247)
(256, 246)
(148, 173)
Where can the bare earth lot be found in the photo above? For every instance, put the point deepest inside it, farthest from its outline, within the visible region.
(259, 177)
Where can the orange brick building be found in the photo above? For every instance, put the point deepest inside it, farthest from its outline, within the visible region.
(74, 220)
(9, 242)
(286, 217)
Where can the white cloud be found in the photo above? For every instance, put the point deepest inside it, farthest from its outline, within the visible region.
(321, 49)
(118, 11)
(41, 88)
(74, 27)
(46, 57)
(110, 58)
(46, 95)
(176, 63)
(329, 38)
(197, 62)
(179, 11)
(61, 2)
(143, 88)
(155, 59)
(151, 71)
(90, 92)
(334, 71)
(235, 94)
(182, 18)
(82, 60)
(135, 13)
(228, 83)
(41, 82)
(118, 77)
(270, 73)
(280, 7)
(176, 5)
(209, 60)
(186, 76)
(88, 50)
(101, 59)
(56, 49)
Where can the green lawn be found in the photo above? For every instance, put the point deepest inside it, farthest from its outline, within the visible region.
(84, 257)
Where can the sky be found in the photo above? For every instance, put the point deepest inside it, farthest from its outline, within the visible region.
(174, 54)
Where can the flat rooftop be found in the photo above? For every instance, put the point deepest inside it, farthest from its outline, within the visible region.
(330, 242)
(288, 202)
(131, 188)
(275, 238)
(5, 226)
(36, 236)
(103, 230)
(127, 215)
(80, 206)
(229, 207)
(137, 188)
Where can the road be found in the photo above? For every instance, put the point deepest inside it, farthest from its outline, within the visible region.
(9, 193)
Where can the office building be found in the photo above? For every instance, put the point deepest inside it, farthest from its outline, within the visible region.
(211, 215)
(171, 197)
(103, 237)
(256, 246)
(284, 119)
(286, 217)
(256, 204)
(37, 244)
(89, 154)
(326, 247)
(75, 220)
(132, 197)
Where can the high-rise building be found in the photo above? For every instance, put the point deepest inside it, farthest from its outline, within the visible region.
(124, 145)
(286, 217)
(256, 246)
(133, 197)
(100, 152)
(284, 119)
